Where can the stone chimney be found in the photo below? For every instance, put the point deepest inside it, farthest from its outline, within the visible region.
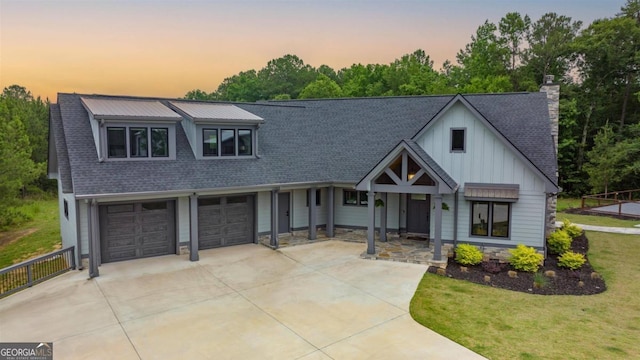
(553, 102)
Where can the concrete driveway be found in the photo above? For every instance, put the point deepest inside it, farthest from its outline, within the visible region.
(318, 301)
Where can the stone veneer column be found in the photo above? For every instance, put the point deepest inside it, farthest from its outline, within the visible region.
(553, 102)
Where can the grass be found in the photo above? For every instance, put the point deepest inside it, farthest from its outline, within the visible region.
(568, 203)
(597, 220)
(502, 324)
(43, 233)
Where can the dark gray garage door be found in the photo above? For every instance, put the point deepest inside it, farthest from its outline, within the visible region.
(225, 221)
(137, 230)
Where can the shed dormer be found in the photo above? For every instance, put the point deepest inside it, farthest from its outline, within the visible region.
(219, 130)
(132, 129)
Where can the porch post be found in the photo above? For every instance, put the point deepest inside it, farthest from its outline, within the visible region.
(312, 213)
(383, 217)
(437, 237)
(96, 231)
(330, 211)
(193, 228)
(93, 251)
(78, 237)
(371, 225)
(274, 219)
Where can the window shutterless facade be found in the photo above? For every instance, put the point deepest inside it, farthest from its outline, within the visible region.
(490, 219)
(139, 142)
(226, 142)
(353, 197)
(458, 139)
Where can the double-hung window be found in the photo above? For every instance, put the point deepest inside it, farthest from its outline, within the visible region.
(227, 142)
(137, 142)
(491, 219)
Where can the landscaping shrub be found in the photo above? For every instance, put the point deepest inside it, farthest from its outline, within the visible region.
(559, 241)
(467, 254)
(571, 260)
(572, 229)
(539, 280)
(525, 258)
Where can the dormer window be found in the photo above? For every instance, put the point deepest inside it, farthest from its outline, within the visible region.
(132, 129)
(139, 140)
(233, 142)
(209, 142)
(217, 131)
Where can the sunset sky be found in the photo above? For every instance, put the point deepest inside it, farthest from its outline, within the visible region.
(166, 48)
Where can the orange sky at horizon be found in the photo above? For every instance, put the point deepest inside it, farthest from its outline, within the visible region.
(167, 48)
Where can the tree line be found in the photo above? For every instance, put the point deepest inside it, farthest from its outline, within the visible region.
(597, 66)
(23, 150)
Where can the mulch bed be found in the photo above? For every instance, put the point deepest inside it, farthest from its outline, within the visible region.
(584, 281)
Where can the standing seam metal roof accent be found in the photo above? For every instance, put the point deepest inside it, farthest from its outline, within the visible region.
(208, 111)
(128, 109)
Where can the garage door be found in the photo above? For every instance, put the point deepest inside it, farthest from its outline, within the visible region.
(137, 230)
(225, 221)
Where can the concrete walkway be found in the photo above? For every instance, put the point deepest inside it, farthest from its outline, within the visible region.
(608, 229)
(317, 301)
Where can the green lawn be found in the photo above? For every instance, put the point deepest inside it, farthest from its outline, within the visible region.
(43, 233)
(597, 220)
(568, 203)
(502, 324)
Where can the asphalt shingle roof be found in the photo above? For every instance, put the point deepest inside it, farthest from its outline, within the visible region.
(334, 140)
(451, 183)
(64, 168)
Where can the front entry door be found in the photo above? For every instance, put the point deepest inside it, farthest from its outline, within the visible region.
(418, 213)
(283, 213)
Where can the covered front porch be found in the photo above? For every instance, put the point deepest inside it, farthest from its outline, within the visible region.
(409, 170)
(409, 249)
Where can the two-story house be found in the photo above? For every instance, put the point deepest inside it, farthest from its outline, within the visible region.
(141, 177)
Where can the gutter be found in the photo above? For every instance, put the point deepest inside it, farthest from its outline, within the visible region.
(213, 191)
